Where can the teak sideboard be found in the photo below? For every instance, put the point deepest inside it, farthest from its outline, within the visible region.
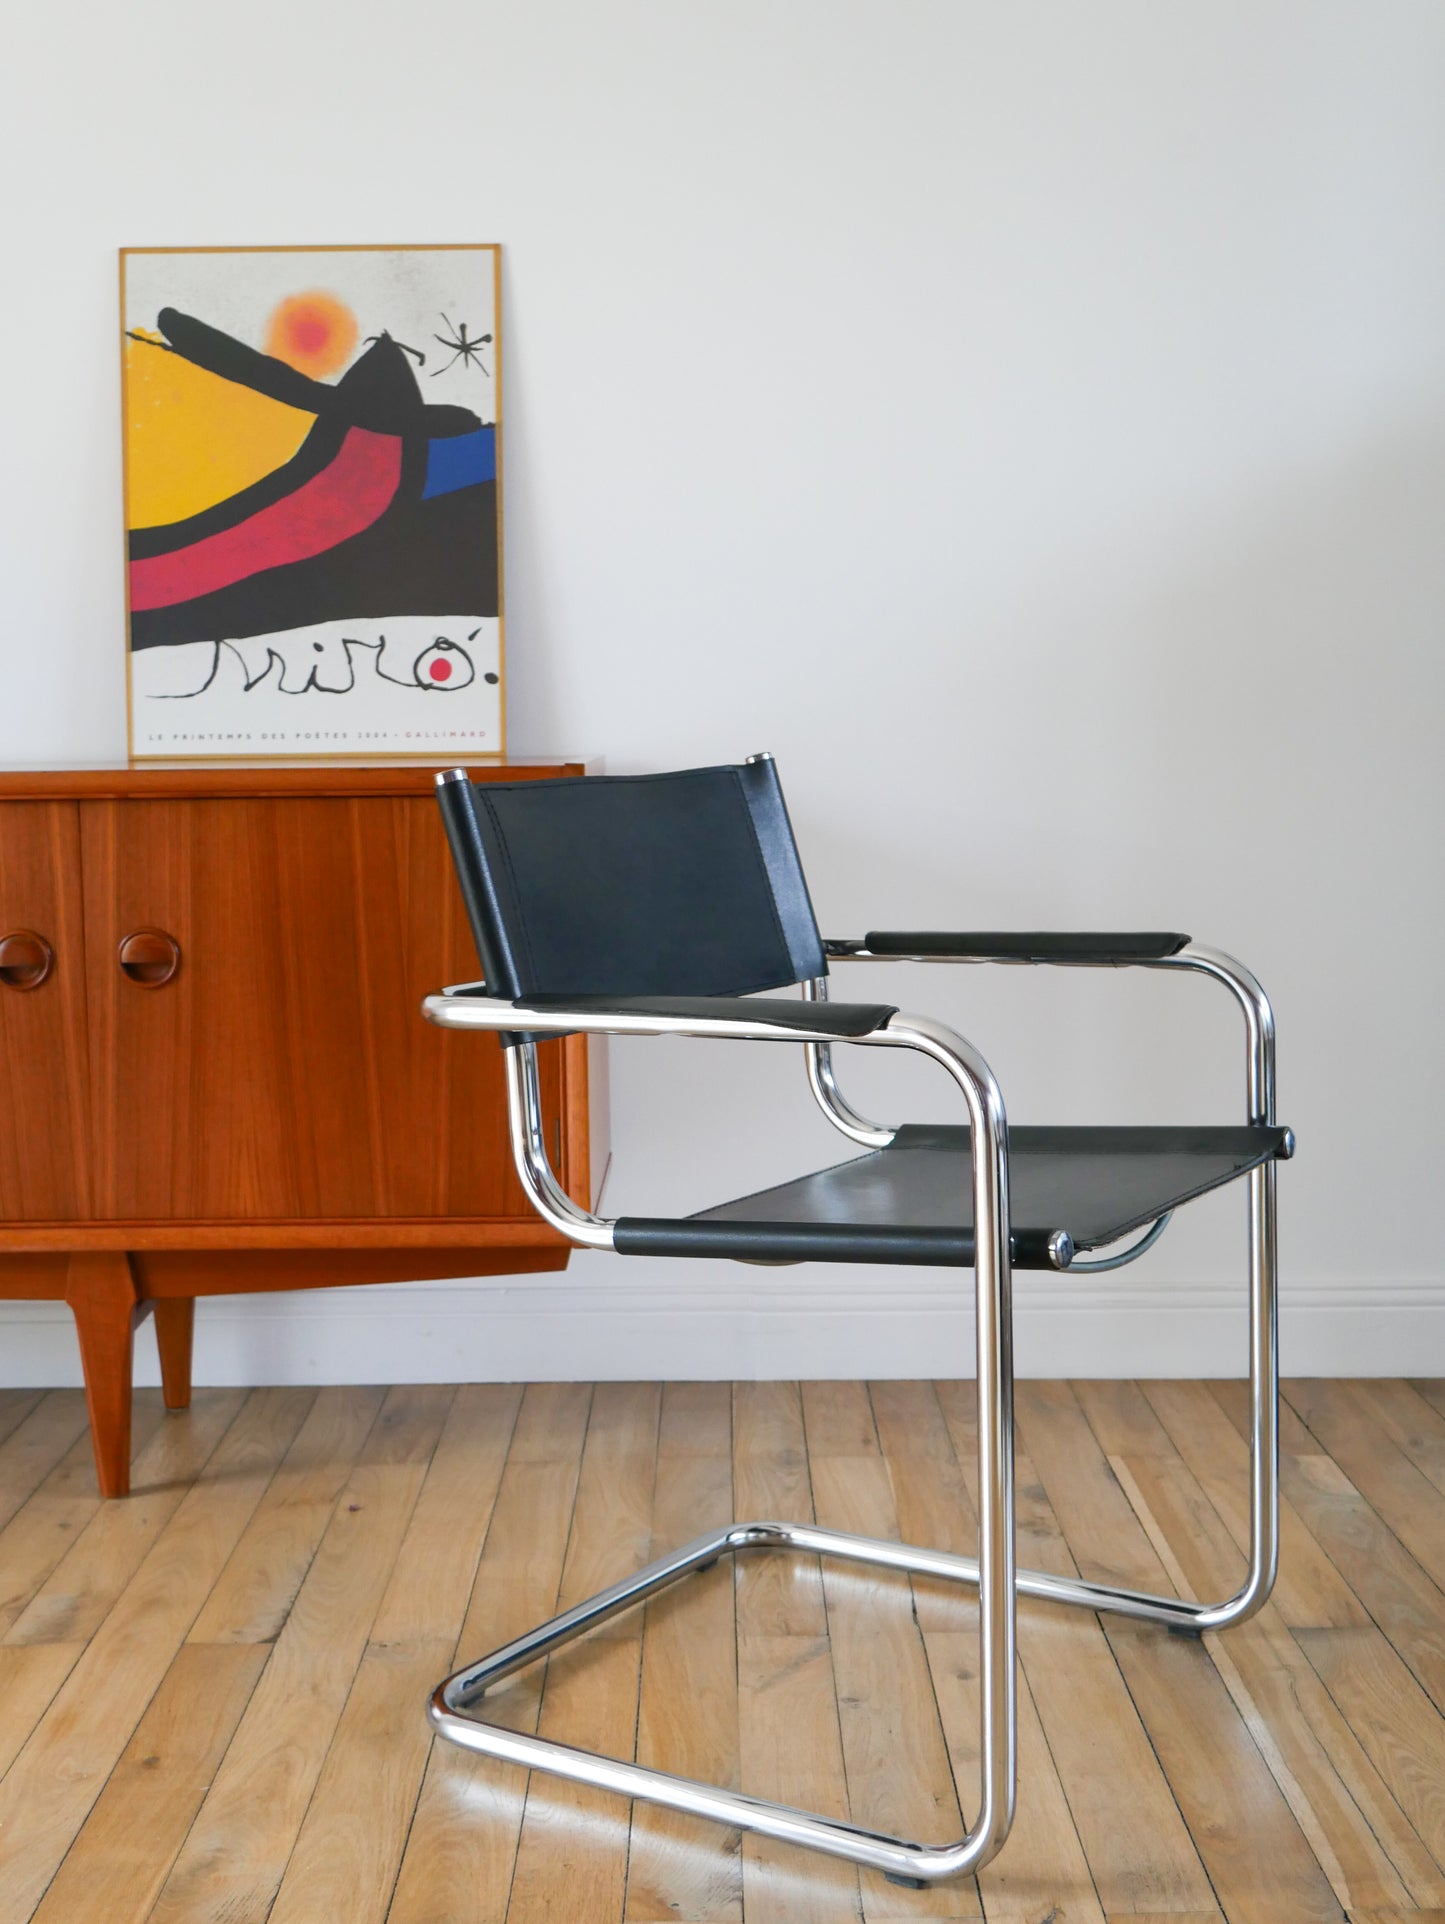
(215, 1074)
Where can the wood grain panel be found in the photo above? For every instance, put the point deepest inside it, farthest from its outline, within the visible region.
(104, 1555)
(1041, 1871)
(116, 1866)
(1310, 1590)
(124, 781)
(1411, 1421)
(236, 1853)
(36, 1445)
(53, 1784)
(688, 1715)
(462, 1847)
(1397, 1724)
(44, 1068)
(1043, 1868)
(933, 1501)
(15, 1406)
(792, 1753)
(30, 1676)
(572, 1850)
(776, 1596)
(612, 1526)
(1324, 1775)
(255, 1592)
(210, 1035)
(1139, 1847)
(428, 1596)
(899, 1779)
(285, 1072)
(42, 1531)
(1395, 1915)
(1400, 1597)
(355, 1827)
(1307, 1765)
(1400, 1494)
(1215, 1769)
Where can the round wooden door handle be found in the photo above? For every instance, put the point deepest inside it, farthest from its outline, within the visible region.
(26, 959)
(149, 957)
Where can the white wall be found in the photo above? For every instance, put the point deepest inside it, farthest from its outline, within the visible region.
(1027, 421)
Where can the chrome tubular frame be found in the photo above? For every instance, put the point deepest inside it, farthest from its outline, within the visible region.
(829, 1098)
(1254, 1006)
(993, 1572)
(529, 1152)
(1146, 1242)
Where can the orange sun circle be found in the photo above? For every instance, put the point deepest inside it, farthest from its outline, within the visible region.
(313, 332)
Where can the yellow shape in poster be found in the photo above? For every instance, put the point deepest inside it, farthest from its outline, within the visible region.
(193, 439)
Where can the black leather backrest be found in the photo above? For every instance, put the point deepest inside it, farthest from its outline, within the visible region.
(681, 884)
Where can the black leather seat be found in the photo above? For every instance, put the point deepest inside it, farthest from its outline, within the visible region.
(911, 1202)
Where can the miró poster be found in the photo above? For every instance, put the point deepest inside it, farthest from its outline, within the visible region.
(313, 520)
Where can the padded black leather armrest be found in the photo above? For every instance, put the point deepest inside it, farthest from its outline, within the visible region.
(1027, 945)
(826, 1018)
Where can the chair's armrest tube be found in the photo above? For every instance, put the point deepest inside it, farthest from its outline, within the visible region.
(1254, 1005)
(742, 1018)
(826, 1093)
(528, 1129)
(723, 1017)
(1145, 951)
(1089, 950)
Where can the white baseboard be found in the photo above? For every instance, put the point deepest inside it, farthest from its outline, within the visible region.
(788, 1323)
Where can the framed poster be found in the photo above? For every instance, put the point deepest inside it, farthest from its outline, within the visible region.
(312, 490)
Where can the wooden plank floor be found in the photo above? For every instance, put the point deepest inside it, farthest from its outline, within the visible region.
(211, 1694)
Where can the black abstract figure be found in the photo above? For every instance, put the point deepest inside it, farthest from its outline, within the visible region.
(467, 351)
(415, 352)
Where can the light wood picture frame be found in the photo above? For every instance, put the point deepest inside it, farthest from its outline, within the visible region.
(313, 502)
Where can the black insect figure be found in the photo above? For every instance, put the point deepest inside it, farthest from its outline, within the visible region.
(466, 351)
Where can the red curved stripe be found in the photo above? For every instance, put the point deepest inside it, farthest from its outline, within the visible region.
(351, 492)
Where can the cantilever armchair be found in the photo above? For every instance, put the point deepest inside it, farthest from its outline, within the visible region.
(662, 905)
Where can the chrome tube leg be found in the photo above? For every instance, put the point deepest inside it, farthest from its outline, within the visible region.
(1263, 1307)
(1263, 1395)
(1263, 1422)
(996, 1577)
(824, 1085)
(997, 1588)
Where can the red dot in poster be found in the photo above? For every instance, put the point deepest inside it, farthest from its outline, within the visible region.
(444, 666)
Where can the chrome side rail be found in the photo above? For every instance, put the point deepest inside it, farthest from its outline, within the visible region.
(1099, 1264)
(826, 1093)
(534, 1165)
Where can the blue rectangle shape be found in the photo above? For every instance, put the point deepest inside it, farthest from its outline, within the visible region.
(460, 461)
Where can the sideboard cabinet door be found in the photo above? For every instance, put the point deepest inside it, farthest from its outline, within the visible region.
(255, 972)
(43, 1070)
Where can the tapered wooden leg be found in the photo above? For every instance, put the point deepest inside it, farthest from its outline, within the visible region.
(101, 1292)
(175, 1322)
